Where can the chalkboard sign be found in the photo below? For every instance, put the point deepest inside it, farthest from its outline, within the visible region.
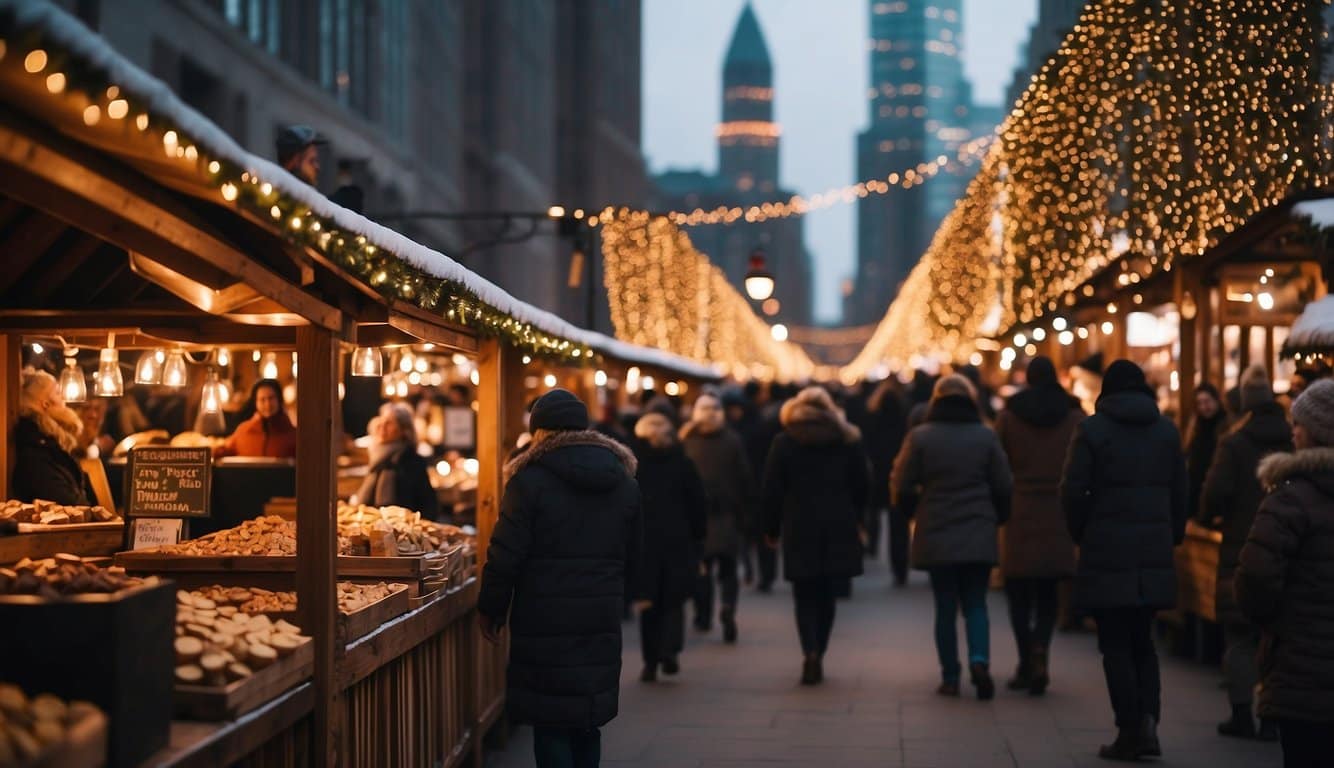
(168, 482)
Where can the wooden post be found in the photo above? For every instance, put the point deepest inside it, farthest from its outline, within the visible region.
(1269, 351)
(1243, 352)
(499, 422)
(1120, 345)
(1186, 366)
(1204, 329)
(316, 531)
(11, 370)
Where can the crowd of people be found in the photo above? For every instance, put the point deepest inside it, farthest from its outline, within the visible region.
(1084, 493)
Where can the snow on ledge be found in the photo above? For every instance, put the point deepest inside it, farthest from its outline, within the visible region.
(86, 44)
(1314, 328)
(1320, 212)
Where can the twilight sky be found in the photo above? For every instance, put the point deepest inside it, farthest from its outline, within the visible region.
(820, 79)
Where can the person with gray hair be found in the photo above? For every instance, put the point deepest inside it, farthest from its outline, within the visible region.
(398, 475)
(1285, 580)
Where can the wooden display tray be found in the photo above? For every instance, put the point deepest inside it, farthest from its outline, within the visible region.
(38, 541)
(360, 623)
(212, 703)
(415, 567)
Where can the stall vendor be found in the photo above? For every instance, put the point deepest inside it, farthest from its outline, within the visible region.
(45, 438)
(398, 475)
(268, 432)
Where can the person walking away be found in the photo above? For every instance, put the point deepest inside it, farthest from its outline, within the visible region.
(720, 459)
(953, 478)
(1285, 583)
(555, 574)
(887, 424)
(673, 508)
(1035, 428)
(398, 475)
(1124, 492)
(815, 492)
(1231, 495)
(1206, 428)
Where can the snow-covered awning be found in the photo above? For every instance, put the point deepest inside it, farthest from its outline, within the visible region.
(1313, 331)
(1320, 212)
(395, 266)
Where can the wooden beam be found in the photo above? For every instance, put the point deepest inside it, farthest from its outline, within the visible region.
(431, 327)
(75, 185)
(47, 282)
(1184, 285)
(30, 241)
(11, 367)
(316, 529)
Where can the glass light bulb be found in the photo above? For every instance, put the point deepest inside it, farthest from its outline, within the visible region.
(109, 381)
(73, 386)
(367, 361)
(211, 397)
(224, 357)
(406, 362)
(269, 368)
(149, 368)
(174, 372)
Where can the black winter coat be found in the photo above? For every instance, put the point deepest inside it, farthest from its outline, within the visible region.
(816, 490)
(1202, 441)
(886, 427)
(44, 470)
(1285, 584)
(556, 569)
(673, 508)
(1124, 493)
(720, 459)
(1232, 492)
(401, 479)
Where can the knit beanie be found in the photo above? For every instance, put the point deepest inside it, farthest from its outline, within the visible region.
(1255, 388)
(558, 409)
(1314, 410)
(1123, 376)
(1041, 373)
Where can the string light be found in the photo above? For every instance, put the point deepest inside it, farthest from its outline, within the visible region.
(1155, 131)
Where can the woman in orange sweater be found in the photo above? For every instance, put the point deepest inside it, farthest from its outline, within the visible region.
(269, 432)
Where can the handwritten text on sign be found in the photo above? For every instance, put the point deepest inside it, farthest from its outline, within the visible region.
(169, 482)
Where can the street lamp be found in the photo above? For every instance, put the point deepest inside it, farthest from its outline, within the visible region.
(759, 283)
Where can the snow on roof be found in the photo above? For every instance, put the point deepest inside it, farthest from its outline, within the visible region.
(1320, 212)
(81, 42)
(1314, 328)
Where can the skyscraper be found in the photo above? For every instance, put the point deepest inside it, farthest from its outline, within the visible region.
(1055, 20)
(919, 105)
(747, 175)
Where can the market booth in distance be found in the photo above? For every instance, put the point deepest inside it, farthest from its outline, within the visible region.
(341, 635)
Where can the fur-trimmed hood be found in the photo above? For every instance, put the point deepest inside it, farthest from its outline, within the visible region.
(585, 458)
(1313, 464)
(811, 418)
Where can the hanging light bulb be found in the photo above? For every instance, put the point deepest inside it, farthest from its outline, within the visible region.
(109, 381)
(388, 388)
(759, 282)
(269, 368)
(211, 397)
(406, 361)
(149, 368)
(73, 387)
(367, 361)
(294, 365)
(224, 357)
(174, 372)
(225, 390)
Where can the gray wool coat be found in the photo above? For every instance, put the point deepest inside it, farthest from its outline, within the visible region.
(954, 476)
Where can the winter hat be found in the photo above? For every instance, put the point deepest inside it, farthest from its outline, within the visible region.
(954, 385)
(1124, 376)
(558, 409)
(1255, 388)
(1041, 373)
(1314, 411)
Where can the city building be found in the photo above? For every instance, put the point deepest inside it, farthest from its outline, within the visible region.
(1055, 20)
(431, 108)
(920, 108)
(748, 174)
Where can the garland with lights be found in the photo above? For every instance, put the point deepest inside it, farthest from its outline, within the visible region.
(1156, 130)
(87, 86)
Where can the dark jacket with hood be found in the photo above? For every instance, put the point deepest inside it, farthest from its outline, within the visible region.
(400, 479)
(1035, 429)
(556, 570)
(673, 507)
(720, 458)
(1201, 442)
(1232, 492)
(44, 470)
(1124, 493)
(953, 478)
(816, 491)
(1285, 584)
(886, 426)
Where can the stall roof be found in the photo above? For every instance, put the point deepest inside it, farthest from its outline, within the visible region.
(82, 47)
(1313, 331)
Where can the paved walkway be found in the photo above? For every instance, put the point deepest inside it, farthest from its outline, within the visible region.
(741, 707)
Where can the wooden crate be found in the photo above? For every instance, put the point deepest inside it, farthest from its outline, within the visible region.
(38, 541)
(420, 572)
(213, 703)
(357, 624)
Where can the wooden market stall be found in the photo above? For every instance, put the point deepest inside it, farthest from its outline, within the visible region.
(131, 224)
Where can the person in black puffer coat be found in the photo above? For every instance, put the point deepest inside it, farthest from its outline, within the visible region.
(555, 570)
(674, 505)
(886, 426)
(1285, 583)
(1202, 436)
(1231, 496)
(816, 488)
(1124, 493)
